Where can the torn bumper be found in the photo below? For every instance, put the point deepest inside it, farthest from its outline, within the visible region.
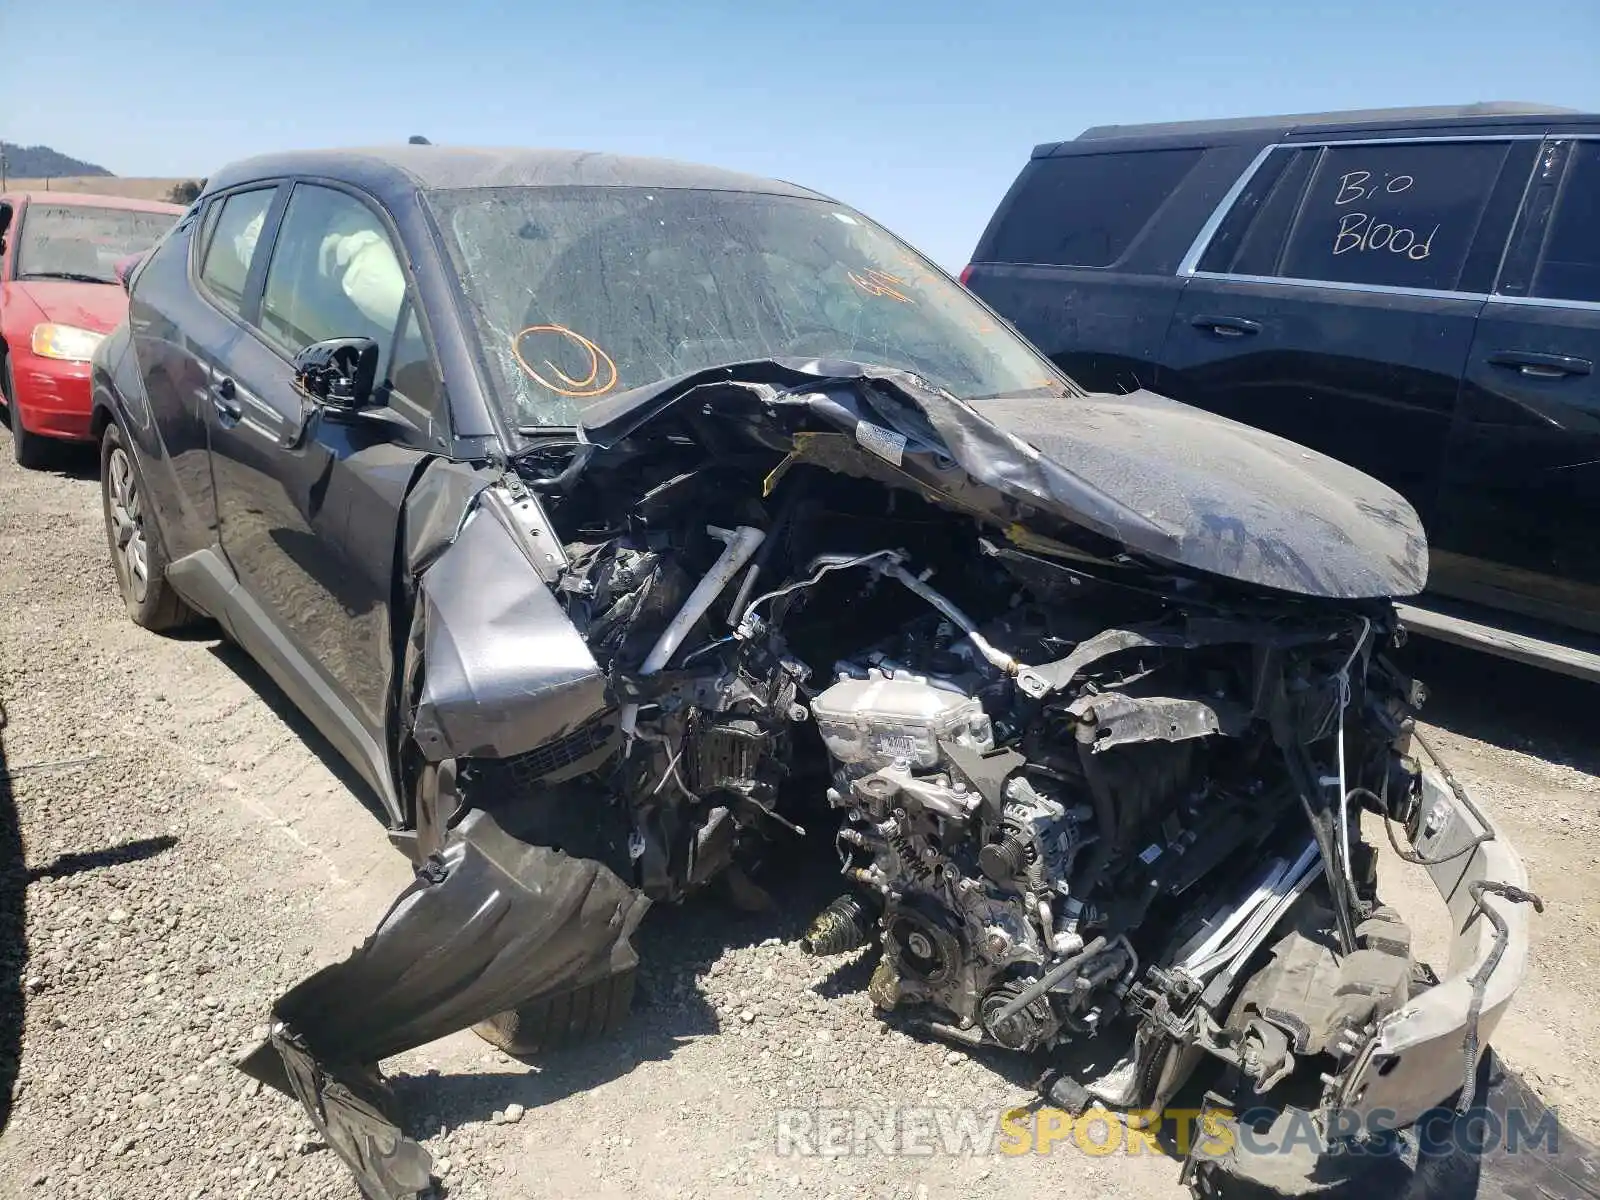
(1428, 1050)
(490, 923)
(1424, 1065)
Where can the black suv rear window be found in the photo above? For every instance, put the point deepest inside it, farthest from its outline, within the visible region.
(1398, 215)
(1084, 210)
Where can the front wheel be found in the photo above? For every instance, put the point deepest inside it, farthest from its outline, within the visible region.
(137, 555)
(563, 1019)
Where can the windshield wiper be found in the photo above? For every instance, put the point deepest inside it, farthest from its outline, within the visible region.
(74, 276)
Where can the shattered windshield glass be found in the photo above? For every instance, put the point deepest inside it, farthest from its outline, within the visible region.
(582, 292)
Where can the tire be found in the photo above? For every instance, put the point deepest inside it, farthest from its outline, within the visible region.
(29, 449)
(151, 602)
(562, 1019)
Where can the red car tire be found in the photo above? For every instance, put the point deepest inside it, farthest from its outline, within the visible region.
(29, 449)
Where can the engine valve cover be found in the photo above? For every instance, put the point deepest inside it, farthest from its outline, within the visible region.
(884, 719)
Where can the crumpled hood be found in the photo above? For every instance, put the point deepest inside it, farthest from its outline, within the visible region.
(1166, 480)
(93, 306)
(1194, 488)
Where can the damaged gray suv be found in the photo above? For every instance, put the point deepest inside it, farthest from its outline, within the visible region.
(618, 518)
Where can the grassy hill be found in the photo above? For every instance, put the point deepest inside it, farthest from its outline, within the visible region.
(39, 162)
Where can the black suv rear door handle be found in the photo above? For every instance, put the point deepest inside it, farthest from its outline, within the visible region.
(1226, 326)
(1541, 366)
(224, 398)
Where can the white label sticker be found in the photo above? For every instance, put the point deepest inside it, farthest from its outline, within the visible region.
(1150, 854)
(885, 443)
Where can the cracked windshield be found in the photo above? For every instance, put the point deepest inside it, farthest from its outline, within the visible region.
(579, 293)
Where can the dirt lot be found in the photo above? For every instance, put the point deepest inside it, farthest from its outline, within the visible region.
(188, 847)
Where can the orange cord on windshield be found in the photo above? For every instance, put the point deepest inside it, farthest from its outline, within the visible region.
(881, 283)
(590, 385)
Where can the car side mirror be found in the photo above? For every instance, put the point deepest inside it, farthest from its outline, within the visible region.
(338, 373)
(125, 268)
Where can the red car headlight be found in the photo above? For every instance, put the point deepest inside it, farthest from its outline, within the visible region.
(65, 341)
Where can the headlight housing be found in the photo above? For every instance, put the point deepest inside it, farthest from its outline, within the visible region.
(65, 341)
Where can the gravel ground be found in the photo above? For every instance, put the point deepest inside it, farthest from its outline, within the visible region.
(189, 848)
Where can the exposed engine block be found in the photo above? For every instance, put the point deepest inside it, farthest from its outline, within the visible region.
(974, 890)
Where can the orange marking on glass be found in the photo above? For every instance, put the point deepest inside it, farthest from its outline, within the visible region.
(578, 388)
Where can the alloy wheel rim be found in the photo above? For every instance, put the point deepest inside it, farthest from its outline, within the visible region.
(127, 517)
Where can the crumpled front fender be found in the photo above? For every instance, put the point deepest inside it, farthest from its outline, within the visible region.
(488, 924)
(505, 671)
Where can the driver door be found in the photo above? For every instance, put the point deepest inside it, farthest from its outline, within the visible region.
(308, 498)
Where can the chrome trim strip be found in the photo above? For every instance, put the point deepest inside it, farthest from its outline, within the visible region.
(1411, 141)
(1214, 221)
(1341, 286)
(1548, 302)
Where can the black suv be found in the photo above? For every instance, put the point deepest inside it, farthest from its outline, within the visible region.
(1416, 292)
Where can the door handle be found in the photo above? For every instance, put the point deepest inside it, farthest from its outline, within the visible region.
(1541, 366)
(1231, 327)
(225, 399)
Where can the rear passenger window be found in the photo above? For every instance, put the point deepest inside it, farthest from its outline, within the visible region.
(1400, 215)
(1569, 267)
(1250, 240)
(232, 230)
(1085, 210)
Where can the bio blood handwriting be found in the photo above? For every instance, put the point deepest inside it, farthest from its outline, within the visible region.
(1360, 233)
(1356, 185)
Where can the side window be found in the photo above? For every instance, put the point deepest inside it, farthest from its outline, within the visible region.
(1250, 239)
(411, 370)
(1569, 265)
(334, 273)
(1086, 209)
(228, 243)
(1401, 215)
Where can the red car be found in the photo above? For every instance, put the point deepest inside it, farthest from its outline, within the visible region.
(60, 294)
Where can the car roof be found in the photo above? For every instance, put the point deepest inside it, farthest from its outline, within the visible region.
(389, 169)
(92, 200)
(1494, 112)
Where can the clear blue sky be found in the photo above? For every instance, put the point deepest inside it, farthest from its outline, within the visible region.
(920, 113)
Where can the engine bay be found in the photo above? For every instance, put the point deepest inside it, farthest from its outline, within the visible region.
(1073, 799)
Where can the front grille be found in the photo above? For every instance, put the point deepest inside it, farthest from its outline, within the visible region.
(565, 751)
